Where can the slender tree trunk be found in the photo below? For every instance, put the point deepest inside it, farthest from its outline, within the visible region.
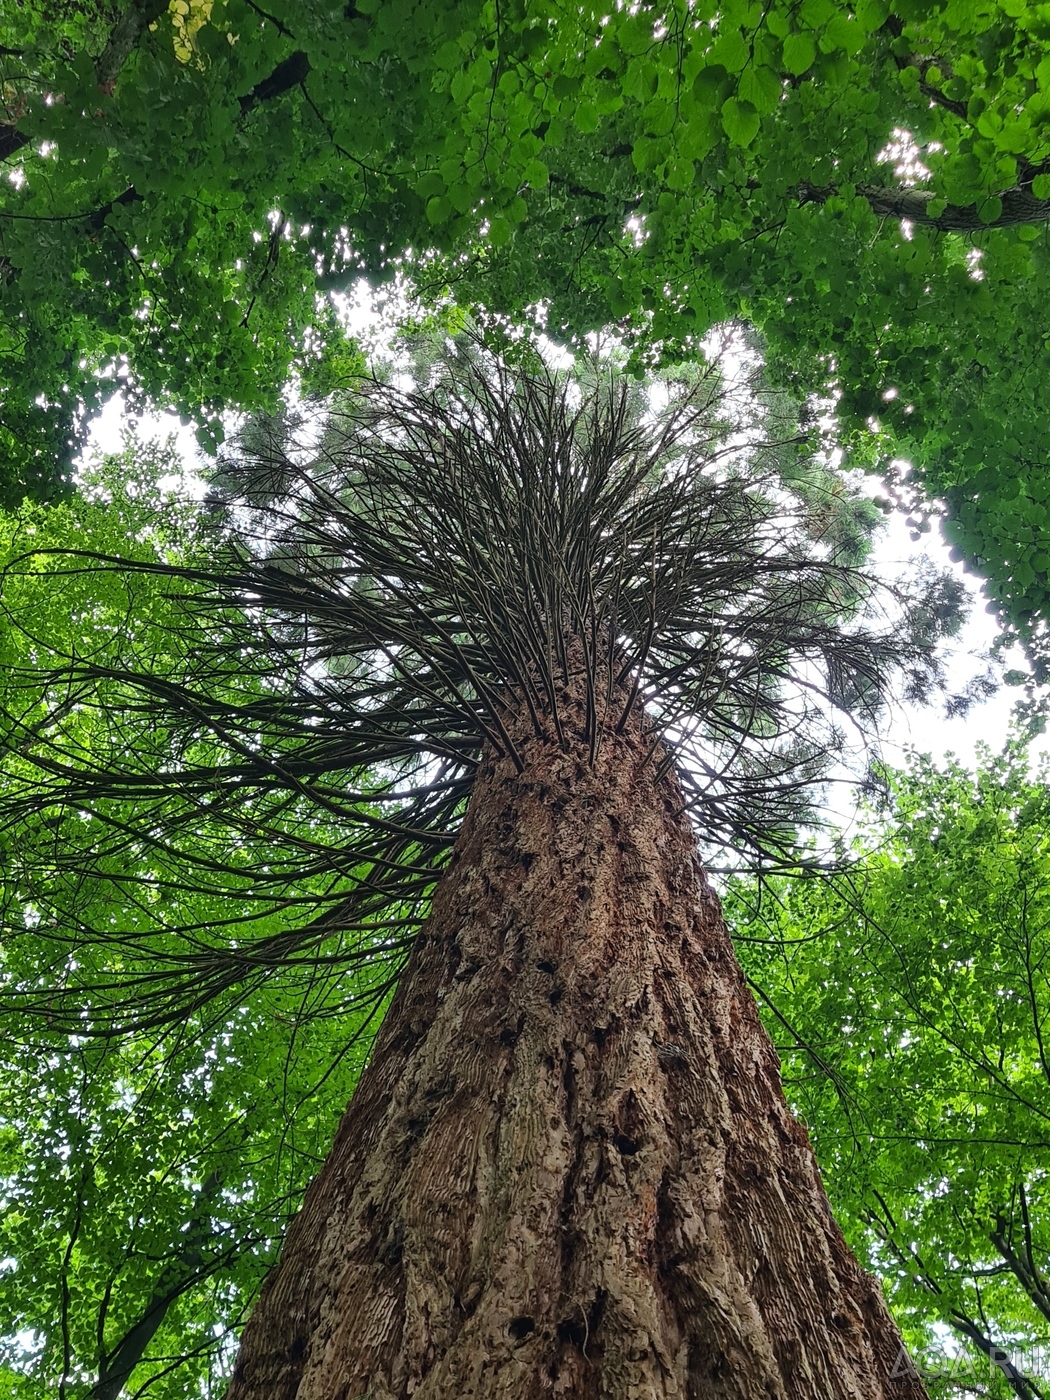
(569, 1169)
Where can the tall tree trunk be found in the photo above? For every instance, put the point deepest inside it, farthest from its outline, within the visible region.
(569, 1169)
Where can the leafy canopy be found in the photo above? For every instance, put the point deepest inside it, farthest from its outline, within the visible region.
(187, 183)
(145, 1185)
(910, 1001)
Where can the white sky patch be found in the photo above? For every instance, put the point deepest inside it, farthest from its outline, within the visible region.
(108, 432)
(925, 728)
(907, 156)
(374, 316)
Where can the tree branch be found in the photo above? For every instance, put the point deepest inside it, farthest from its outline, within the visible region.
(97, 218)
(1022, 1386)
(289, 73)
(1024, 1270)
(124, 37)
(265, 14)
(1019, 206)
(924, 62)
(181, 1273)
(894, 26)
(11, 140)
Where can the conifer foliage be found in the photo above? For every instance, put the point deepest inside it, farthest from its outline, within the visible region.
(376, 614)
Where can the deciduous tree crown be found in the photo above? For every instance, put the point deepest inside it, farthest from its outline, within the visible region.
(866, 183)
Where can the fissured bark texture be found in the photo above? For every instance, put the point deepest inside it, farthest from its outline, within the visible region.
(569, 1170)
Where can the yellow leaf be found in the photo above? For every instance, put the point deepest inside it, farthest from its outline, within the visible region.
(188, 17)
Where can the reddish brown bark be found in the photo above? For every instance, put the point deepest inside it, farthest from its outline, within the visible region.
(569, 1170)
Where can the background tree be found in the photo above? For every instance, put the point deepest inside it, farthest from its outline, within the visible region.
(146, 1182)
(474, 590)
(910, 1001)
(147, 1187)
(866, 183)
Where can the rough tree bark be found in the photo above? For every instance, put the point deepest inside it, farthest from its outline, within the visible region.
(569, 1169)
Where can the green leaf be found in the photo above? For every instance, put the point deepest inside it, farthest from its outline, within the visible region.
(817, 13)
(640, 80)
(536, 174)
(761, 87)
(431, 183)
(843, 33)
(438, 209)
(871, 14)
(500, 231)
(462, 86)
(731, 50)
(740, 121)
(462, 197)
(711, 86)
(800, 52)
(449, 55)
(634, 33)
(659, 118)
